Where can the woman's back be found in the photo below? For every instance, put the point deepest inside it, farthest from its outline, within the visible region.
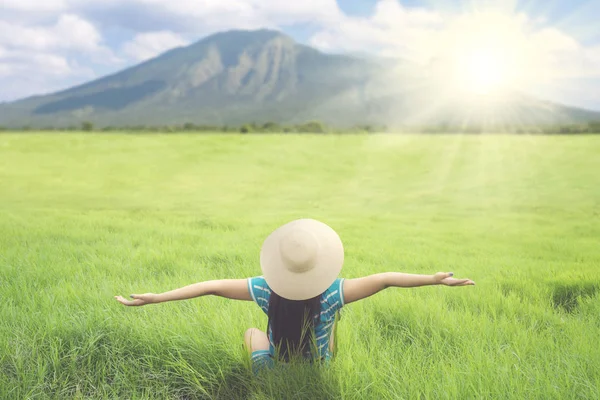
(330, 301)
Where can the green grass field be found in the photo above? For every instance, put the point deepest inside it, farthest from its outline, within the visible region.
(87, 217)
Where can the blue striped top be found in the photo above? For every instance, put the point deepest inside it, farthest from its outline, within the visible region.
(332, 300)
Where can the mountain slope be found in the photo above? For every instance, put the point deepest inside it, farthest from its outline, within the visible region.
(236, 77)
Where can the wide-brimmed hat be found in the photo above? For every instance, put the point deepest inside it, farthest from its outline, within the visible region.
(301, 259)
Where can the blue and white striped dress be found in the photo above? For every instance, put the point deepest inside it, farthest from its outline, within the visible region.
(332, 300)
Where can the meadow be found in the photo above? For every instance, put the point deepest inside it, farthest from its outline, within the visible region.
(85, 217)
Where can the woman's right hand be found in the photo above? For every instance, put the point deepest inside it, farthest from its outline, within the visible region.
(138, 299)
(445, 278)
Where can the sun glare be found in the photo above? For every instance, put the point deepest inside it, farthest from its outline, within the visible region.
(485, 54)
(483, 71)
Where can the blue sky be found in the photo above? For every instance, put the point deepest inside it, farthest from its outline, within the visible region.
(555, 44)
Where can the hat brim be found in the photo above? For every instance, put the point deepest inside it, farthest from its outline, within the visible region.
(301, 286)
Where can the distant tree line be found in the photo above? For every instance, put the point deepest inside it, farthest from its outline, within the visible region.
(320, 127)
(268, 127)
(553, 129)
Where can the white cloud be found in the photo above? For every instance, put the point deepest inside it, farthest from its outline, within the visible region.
(391, 30)
(232, 11)
(69, 33)
(534, 55)
(20, 62)
(37, 58)
(34, 5)
(391, 14)
(72, 30)
(21, 37)
(236, 13)
(552, 39)
(420, 34)
(594, 54)
(76, 33)
(34, 65)
(23, 73)
(147, 45)
(200, 18)
(313, 11)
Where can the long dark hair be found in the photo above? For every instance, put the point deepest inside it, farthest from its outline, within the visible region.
(292, 324)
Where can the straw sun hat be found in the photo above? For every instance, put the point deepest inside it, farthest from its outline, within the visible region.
(301, 259)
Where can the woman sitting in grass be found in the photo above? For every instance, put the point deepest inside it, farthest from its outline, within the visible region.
(299, 291)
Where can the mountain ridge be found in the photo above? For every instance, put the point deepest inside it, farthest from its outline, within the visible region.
(239, 76)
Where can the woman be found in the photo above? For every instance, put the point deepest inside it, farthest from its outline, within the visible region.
(299, 291)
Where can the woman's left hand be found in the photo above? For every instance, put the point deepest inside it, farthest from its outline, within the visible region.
(138, 299)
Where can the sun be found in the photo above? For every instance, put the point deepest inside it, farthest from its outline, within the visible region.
(485, 54)
(483, 71)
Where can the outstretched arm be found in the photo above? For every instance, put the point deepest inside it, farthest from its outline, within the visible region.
(360, 288)
(236, 289)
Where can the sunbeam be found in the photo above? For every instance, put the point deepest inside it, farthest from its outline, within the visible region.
(486, 62)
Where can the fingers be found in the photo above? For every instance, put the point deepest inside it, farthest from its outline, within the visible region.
(123, 301)
(465, 282)
(457, 282)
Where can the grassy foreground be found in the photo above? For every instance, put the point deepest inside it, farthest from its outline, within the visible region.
(87, 217)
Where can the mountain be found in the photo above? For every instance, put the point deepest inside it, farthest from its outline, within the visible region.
(235, 77)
